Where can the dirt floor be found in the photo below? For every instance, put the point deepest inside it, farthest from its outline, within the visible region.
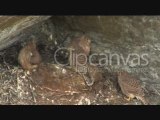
(18, 88)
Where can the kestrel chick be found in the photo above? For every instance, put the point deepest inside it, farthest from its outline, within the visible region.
(131, 87)
(81, 44)
(29, 56)
(80, 47)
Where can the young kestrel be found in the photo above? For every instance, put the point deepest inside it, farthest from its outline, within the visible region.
(131, 86)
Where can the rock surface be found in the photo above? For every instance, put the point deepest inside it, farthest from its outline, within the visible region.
(12, 26)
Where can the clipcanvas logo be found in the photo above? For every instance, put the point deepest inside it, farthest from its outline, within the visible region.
(132, 59)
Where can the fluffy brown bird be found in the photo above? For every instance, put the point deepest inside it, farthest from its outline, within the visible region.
(131, 87)
(92, 75)
(79, 45)
(56, 78)
(80, 49)
(29, 56)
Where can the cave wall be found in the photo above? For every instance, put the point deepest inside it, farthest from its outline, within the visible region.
(11, 28)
